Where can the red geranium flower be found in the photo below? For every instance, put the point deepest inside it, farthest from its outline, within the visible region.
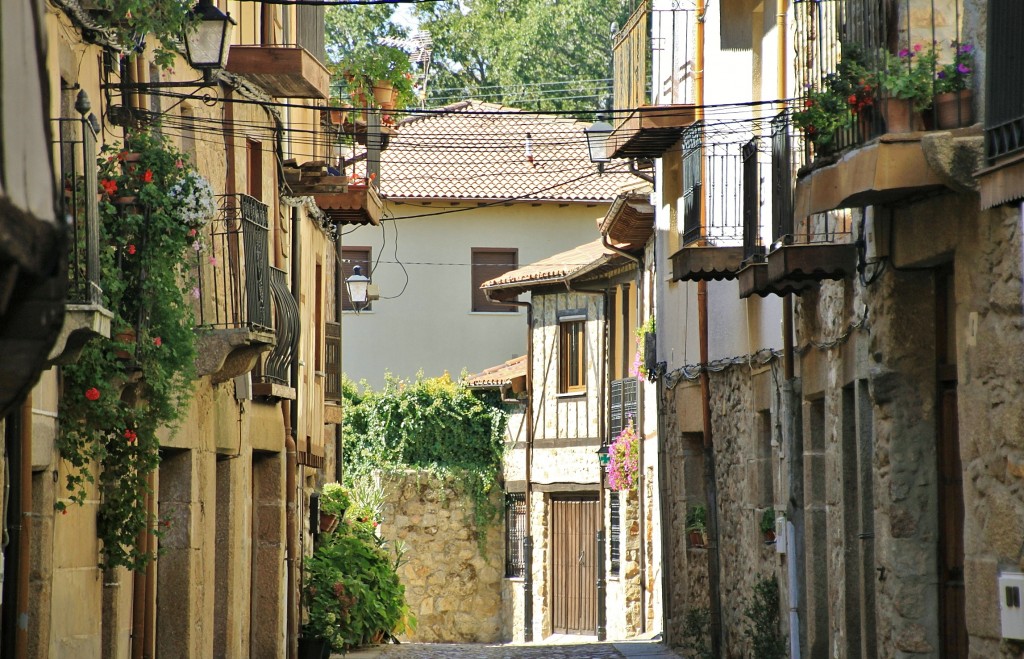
(130, 436)
(157, 341)
(92, 393)
(109, 186)
(148, 176)
(131, 248)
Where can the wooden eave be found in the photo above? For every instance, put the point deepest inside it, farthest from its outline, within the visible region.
(886, 170)
(753, 280)
(360, 204)
(629, 221)
(816, 262)
(650, 131)
(706, 263)
(1003, 182)
(283, 71)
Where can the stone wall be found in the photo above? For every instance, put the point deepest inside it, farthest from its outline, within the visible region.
(453, 583)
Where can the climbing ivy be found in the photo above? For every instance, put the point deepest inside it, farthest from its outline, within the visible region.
(432, 424)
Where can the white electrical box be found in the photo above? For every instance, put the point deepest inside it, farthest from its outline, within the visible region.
(780, 534)
(1011, 613)
(875, 235)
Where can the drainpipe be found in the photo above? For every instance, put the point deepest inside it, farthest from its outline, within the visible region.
(25, 526)
(528, 538)
(339, 292)
(641, 481)
(291, 421)
(291, 466)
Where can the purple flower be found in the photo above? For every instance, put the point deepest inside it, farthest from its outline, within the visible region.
(966, 49)
(904, 52)
(963, 68)
(941, 75)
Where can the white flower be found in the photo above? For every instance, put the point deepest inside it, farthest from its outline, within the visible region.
(195, 196)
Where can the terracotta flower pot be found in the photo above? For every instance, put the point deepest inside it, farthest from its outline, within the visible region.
(328, 522)
(126, 336)
(900, 116)
(384, 94)
(697, 539)
(954, 109)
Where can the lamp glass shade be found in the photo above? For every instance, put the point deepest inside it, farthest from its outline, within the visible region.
(597, 140)
(357, 286)
(604, 457)
(207, 41)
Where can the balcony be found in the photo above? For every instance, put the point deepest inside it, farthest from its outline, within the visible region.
(233, 309)
(871, 156)
(629, 221)
(1002, 179)
(800, 256)
(720, 185)
(85, 316)
(658, 42)
(272, 379)
(286, 71)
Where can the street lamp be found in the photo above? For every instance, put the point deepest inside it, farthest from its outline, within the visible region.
(358, 286)
(207, 42)
(597, 141)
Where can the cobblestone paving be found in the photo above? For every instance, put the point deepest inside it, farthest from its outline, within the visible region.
(530, 651)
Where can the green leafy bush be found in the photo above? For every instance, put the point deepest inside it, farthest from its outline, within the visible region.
(434, 424)
(352, 592)
(697, 632)
(763, 622)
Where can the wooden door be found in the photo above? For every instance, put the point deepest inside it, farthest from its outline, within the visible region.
(574, 525)
(953, 618)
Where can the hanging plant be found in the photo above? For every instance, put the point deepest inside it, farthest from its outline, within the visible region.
(624, 462)
(640, 368)
(123, 390)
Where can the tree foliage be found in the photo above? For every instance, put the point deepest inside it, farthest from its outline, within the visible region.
(501, 50)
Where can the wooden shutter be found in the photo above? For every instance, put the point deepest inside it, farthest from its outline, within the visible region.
(332, 361)
(615, 519)
(488, 263)
(623, 405)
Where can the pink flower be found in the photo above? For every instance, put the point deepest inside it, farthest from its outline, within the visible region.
(92, 393)
(179, 164)
(195, 292)
(157, 341)
(191, 232)
(213, 260)
(196, 245)
(131, 248)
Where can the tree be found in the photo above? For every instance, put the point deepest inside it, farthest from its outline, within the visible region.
(534, 54)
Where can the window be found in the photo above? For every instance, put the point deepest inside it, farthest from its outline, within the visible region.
(254, 162)
(515, 531)
(351, 257)
(572, 374)
(488, 263)
(614, 535)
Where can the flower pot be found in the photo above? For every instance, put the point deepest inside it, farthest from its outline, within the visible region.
(954, 109)
(769, 537)
(384, 94)
(314, 648)
(126, 336)
(900, 116)
(697, 539)
(328, 522)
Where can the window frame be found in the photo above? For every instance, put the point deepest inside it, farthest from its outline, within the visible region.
(515, 532)
(572, 354)
(482, 272)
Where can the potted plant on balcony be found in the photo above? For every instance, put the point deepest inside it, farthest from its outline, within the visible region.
(697, 525)
(378, 72)
(953, 95)
(147, 279)
(624, 460)
(907, 83)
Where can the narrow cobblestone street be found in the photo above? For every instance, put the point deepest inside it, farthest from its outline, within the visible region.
(558, 649)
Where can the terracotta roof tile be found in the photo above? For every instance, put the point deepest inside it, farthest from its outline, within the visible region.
(573, 262)
(497, 376)
(477, 150)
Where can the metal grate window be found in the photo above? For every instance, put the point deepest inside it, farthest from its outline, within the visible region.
(515, 531)
(1004, 114)
(615, 533)
(693, 195)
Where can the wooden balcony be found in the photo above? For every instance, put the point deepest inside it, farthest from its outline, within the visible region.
(811, 262)
(706, 263)
(629, 221)
(359, 204)
(655, 118)
(753, 280)
(283, 71)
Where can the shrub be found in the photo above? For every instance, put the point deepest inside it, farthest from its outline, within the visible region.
(764, 624)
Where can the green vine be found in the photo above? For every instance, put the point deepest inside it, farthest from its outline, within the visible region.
(122, 390)
(435, 425)
(130, 21)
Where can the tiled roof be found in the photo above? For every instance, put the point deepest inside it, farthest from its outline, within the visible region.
(573, 263)
(497, 376)
(476, 150)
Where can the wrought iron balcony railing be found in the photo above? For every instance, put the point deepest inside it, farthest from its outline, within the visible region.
(233, 272)
(76, 152)
(658, 42)
(277, 368)
(719, 181)
(1004, 76)
(840, 43)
